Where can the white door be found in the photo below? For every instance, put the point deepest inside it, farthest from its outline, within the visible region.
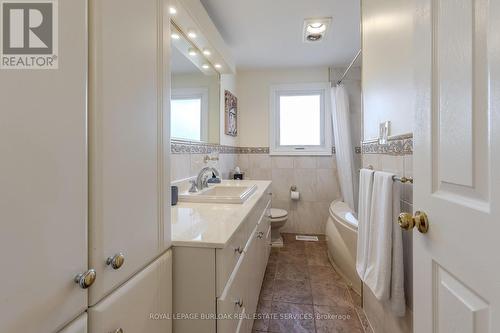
(43, 185)
(142, 304)
(457, 166)
(128, 137)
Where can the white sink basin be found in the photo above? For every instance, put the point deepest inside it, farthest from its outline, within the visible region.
(220, 194)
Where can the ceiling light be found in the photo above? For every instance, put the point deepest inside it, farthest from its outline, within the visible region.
(316, 28)
(172, 10)
(207, 52)
(175, 36)
(218, 66)
(192, 34)
(192, 52)
(205, 66)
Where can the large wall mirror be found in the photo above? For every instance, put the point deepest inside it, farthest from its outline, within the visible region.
(195, 95)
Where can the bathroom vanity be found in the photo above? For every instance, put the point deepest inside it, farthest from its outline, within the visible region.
(220, 256)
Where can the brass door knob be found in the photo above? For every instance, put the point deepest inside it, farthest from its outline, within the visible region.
(86, 279)
(407, 221)
(116, 261)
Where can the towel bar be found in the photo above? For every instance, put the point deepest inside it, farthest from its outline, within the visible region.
(403, 180)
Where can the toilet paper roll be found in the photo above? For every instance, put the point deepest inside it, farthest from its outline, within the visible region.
(294, 195)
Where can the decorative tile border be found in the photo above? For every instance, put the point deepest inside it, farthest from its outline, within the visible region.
(190, 147)
(397, 145)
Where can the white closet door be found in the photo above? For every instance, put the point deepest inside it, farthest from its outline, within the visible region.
(128, 201)
(143, 304)
(43, 185)
(79, 325)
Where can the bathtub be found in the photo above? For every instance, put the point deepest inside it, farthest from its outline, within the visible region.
(341, 235)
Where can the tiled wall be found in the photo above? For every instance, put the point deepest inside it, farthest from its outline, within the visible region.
(315, 178)
(399, 162)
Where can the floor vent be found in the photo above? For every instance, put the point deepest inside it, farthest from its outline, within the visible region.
(307, 238)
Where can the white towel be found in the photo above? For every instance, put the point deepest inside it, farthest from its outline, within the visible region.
(384, 273)
(364, 207)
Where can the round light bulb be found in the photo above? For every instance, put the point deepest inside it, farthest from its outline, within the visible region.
(192, 52)
(205, 66)
(172, 10)
(218, 66)
(207, 52)
(175, 36)
(192, 34)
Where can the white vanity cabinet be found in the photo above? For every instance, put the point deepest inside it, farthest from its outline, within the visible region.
(142, 304)
(43, 185)
(223, 282)
(79, 325)
(128, 134)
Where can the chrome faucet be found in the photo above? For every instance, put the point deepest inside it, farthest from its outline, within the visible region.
(202, 178)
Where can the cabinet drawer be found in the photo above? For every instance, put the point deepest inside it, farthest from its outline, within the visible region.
(78, 325)
(227, 257)
(142, 304)
(231, 306)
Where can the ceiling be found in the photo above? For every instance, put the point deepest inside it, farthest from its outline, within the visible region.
(268, 33)
(182, 65)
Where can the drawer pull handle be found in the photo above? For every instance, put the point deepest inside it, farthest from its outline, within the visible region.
(85, 280)
(239, 250)
(116, 261)
(239, 303)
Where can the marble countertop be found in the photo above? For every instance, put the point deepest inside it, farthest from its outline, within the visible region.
(212, 224)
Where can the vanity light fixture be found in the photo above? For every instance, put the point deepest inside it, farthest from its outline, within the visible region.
(207, 52)
(172, 10)
(192, 52)
(192, 34)
(315, 29)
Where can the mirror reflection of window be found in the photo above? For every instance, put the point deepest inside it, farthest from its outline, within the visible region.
(195, 95)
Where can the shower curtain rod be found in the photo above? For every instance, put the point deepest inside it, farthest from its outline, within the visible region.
(349, 67)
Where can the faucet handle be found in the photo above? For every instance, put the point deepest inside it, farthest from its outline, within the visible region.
(193, 188)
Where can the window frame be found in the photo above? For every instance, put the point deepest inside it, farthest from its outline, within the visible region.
(276, 91)
(194, 93)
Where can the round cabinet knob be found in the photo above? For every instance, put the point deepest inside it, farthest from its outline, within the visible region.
(260, 235)
(407, 222)
(86, 279)
(238, 250)
(116, 261)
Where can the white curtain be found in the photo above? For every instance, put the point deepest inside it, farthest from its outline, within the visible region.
(343, 145)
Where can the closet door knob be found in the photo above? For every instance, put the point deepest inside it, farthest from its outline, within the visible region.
(119, 330)
(238, 250)
(407, 221)
(86, 279)
(116, 261)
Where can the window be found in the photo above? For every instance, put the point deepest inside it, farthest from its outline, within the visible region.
(189, 114)
(300, 120)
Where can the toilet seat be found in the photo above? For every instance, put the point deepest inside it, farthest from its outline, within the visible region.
(277, 214)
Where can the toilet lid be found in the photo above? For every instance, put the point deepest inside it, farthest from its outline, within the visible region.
(278, 213)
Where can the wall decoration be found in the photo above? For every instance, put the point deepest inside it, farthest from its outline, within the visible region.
(230, 114)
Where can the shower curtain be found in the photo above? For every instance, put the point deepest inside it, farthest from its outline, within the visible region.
(343, 146)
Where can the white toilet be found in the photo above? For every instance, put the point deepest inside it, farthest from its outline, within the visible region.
(278, 219)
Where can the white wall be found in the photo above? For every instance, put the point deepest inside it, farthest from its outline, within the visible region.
(253, 99)
(388, 91)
